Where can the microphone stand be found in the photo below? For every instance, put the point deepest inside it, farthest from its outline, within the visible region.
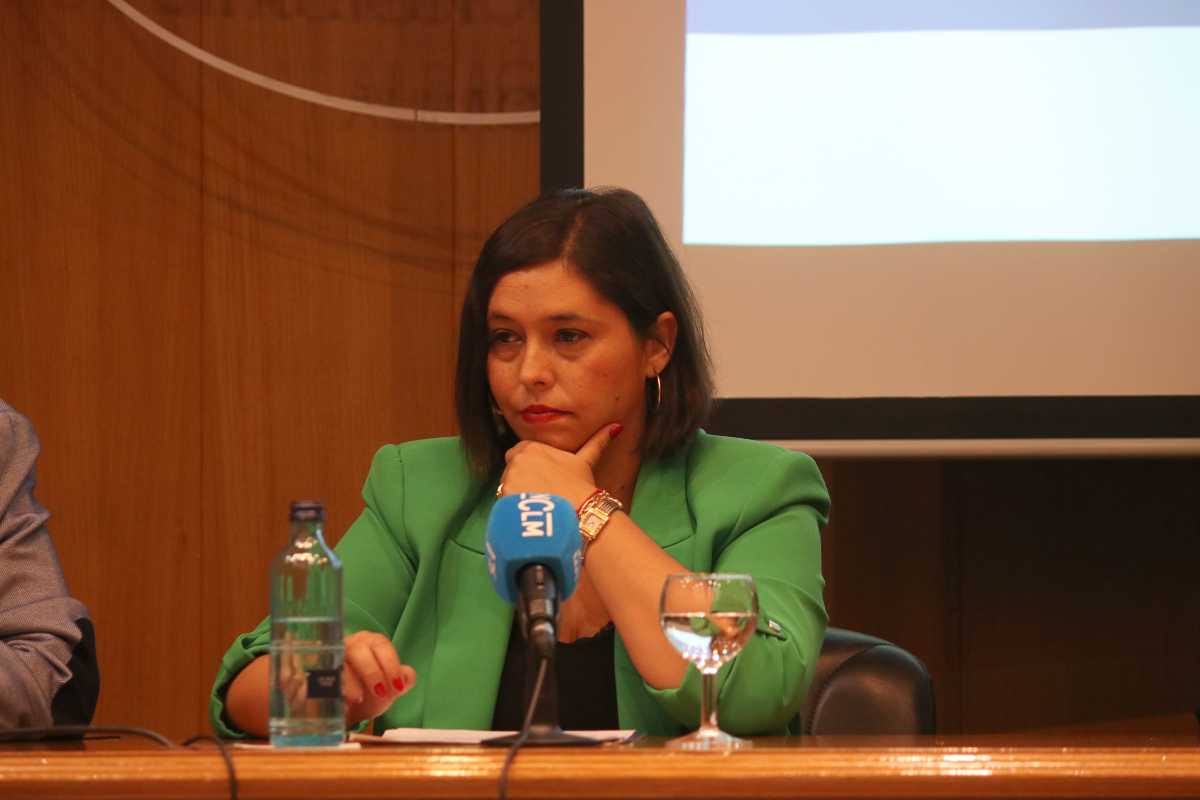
(538, 610)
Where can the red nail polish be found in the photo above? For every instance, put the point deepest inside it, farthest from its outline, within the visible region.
(615, 431)
(380, 689)
(399, 684)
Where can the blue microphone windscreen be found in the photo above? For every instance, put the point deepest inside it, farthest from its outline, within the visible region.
(526, 529)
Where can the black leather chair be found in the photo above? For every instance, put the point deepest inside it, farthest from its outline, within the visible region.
(864, 685)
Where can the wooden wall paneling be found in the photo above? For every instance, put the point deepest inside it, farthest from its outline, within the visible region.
(226, 298)
(1080, 600)
(104, 350)
(24, 200)
(496, 172)
(891, 564)
(495, 167)
(496, 64)
(328, 280)
(387, 52)
(1172, 523)
(829, 558)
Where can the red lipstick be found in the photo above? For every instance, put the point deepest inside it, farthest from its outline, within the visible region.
(538, 414)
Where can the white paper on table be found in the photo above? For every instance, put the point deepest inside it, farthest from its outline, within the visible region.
(459, 736)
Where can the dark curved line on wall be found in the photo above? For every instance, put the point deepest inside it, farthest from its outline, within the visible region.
(197, 187)
(138, 44)
(139, 39)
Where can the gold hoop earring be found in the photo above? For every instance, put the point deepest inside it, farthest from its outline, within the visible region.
(657, 393)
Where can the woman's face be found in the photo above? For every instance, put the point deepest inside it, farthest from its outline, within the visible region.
(563, 361)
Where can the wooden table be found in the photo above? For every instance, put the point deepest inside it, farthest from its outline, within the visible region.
(1042, 766)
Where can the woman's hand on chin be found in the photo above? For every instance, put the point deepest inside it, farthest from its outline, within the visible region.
(537, 467)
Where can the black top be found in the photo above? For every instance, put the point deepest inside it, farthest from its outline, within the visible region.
(587, 683)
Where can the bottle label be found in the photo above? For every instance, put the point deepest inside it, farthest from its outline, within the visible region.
(324, 683)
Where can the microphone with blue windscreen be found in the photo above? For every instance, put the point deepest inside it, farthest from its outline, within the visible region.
(534, 555)
(534, 558)
(528, 529)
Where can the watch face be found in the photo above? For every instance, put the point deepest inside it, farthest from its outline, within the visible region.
(597, 515)
(590, 526)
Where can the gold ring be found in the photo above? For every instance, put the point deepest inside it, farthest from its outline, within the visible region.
(500, 489)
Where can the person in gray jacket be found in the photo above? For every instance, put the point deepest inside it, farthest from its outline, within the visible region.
(48, 670)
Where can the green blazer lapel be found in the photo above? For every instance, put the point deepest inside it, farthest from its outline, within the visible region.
(473, 624)
(473, 532)
(660, 504)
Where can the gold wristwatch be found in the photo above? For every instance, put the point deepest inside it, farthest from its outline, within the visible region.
(595, 513)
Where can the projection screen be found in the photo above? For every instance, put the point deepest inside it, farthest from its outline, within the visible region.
(928, 226)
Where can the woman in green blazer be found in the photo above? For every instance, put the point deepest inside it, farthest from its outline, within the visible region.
(582, 372)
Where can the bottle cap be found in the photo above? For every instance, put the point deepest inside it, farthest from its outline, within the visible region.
(308, 511)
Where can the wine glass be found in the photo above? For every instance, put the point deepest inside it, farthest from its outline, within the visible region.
(708, 618)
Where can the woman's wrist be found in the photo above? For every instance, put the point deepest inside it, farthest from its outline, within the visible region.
(594, 515)
(587, 498)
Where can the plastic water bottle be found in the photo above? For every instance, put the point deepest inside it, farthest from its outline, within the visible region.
(307, 709)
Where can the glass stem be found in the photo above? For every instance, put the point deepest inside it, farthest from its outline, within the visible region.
(708, 702)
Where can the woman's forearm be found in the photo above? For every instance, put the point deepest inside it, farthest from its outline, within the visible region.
(246, 703)
(372, 678)
(628, 568)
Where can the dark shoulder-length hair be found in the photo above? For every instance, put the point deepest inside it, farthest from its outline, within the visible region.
(612, 239)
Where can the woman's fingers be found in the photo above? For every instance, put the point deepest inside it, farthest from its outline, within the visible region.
(352, 688)
(409, 676)
(398, 677)
(373, 676)
(362, 663)
(595, 446)
(374, 669)
(514, 450)
(538, 467)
